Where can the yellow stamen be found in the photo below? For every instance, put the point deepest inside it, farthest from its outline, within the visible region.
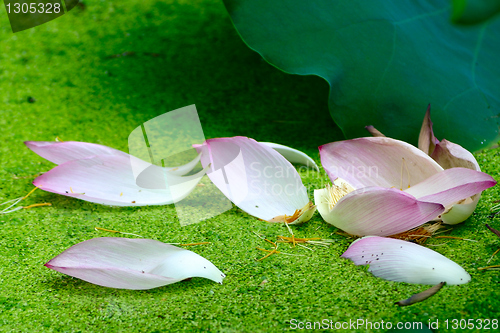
(116, 232)
(488, 267)
(30, 192)
(494, 253)
(334, 193)
(38, 205)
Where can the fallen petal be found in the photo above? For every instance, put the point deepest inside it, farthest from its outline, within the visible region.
(401, 261)
(292, 155)
(377, 161)
(110, 180)
(426, 140)
(254, 177)
(375, 211)
(421, 296)
(450, 155)
(61, 152)
(132, 263)
(451, 185)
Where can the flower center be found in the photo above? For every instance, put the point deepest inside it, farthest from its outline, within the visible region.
(335, 192)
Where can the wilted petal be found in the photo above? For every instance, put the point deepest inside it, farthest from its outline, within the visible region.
(450, 155)
(377, 161)
(292, 155)
(110, 180)
(452, 185)
(401, 261)
(254, 176)
(426, 140)
(376, 211)
(132, 263)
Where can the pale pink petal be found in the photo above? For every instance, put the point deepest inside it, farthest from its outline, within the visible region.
(426, 140)
(132, 263)
(450, 155)
(292, 155)
(110, 180)
(254, 176)
(60, 152)
(377, 161)
(401, 261)
(376, 211)
(451, 185)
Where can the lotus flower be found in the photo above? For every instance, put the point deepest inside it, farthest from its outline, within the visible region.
(132, 263)
(258, 179)
(402, 261)
(385, 186)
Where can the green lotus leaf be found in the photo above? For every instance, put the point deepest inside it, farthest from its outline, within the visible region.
(474, 11)
(385, 61)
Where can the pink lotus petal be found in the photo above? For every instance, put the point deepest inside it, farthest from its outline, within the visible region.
(401, 261)
(451, 185)
(132, 263)
(60, 152)
(450, 155)
(110, 180)
(426, 140)
(376, 211)
(377, 161)
(254, 176)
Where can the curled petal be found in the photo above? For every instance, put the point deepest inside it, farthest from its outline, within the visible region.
(110, 180)
(451, 185)
(376, 211)
(450, 155)
(292, 155)
(132, 263)
(254, 177)
(426, 140)
(401, 261)
(61, 152)
(377, 161)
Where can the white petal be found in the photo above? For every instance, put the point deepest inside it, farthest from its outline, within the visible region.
(397, 260)
(292, 155)
(132, 263)
(461, 211)
(254, 176)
